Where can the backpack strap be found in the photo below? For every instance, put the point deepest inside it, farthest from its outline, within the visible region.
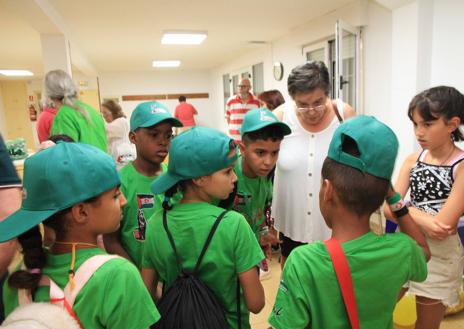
(342, 271)
(171, 241)
(205, 246)
(83, 274)
(66, 296)
(208, 240)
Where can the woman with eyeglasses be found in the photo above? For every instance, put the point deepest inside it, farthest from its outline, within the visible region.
(313, 118)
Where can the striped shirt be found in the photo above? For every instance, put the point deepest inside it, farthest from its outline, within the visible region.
(236, 110)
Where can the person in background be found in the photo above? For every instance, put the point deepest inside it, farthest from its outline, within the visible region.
(10, 200)
(237, 106)
(313, 117)
(117, 133)
(74, 118)
(45, 121)
(185, 112)
(271, 99)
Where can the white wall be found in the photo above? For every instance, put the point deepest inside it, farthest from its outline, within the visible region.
(2, 117)
(163, 82)
(377, 45)
(448, 44)
(404, 77)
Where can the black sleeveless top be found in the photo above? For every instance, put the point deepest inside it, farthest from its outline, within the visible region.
(431, 184)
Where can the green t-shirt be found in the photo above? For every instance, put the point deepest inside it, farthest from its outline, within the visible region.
(88, 131)
(253, 198)
(114, 297)
(309, 296)
(233, 250)
(141, 204)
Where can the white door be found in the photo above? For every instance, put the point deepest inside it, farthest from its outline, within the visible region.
(347, 64)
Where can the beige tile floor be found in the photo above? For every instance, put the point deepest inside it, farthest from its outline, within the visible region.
(259, 321)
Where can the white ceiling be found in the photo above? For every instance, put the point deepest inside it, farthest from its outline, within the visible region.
(125, 35)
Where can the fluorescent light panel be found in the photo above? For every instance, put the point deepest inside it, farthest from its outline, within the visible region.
(174, 63)
(16, 73)
(183, 38)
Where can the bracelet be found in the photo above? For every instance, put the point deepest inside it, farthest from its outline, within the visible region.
(397, 206)
(402, 212)
(394, 199)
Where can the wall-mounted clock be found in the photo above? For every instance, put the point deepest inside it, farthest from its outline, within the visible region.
(278, 71)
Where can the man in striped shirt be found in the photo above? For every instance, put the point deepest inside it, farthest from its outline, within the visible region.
(237, 106)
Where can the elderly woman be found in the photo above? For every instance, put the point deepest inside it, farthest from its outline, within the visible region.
(74, 118)
(313, 118)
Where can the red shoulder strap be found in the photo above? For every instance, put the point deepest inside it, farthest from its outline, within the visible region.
(342, 270)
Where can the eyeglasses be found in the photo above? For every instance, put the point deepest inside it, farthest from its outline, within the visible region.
(243, 86)
(318, 108)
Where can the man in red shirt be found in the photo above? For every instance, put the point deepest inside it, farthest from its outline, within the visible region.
(237, 106)
(185, 112)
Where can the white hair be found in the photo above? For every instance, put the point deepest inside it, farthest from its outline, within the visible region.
(59, 86)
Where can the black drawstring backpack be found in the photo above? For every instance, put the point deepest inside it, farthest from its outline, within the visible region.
(189, 303)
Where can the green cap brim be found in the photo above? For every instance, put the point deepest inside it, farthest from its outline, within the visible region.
(155, 121)
(164, 182)
(286, 129)
(21, 221)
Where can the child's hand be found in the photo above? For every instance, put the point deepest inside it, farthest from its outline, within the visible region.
(437, 230)
(272, 237)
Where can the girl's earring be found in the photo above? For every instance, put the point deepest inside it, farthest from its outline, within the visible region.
(453, 138)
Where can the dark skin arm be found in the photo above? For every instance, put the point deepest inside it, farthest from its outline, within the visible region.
(409, 227)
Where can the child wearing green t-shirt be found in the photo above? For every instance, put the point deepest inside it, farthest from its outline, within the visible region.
(355, 181)
(151, 132)
(261, 134)
(201, 166)
(73, 188)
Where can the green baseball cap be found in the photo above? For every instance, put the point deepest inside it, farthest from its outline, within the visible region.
(376, 142)
(260, 118)
(57, 178)
(200, 151)
(149, 114)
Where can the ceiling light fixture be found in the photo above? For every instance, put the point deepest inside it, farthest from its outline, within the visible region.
(183, 38)
(174, 63)
(16, 73)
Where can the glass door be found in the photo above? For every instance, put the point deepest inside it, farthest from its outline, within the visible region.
(347, 67)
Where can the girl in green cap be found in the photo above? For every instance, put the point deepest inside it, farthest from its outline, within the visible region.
(201, 166)
(73, 189)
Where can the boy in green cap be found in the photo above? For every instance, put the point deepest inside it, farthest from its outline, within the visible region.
(356, 179)
(73, 188)
(151, 132)
(261, 134)
(201, 165)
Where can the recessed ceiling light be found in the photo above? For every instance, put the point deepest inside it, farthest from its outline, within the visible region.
(174, 63)
(16, 73)
(183, 38)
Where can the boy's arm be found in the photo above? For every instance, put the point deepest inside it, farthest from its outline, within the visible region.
(402, 182)
(409, 227)
(253, 291)
(150, 279)
(113, 245)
